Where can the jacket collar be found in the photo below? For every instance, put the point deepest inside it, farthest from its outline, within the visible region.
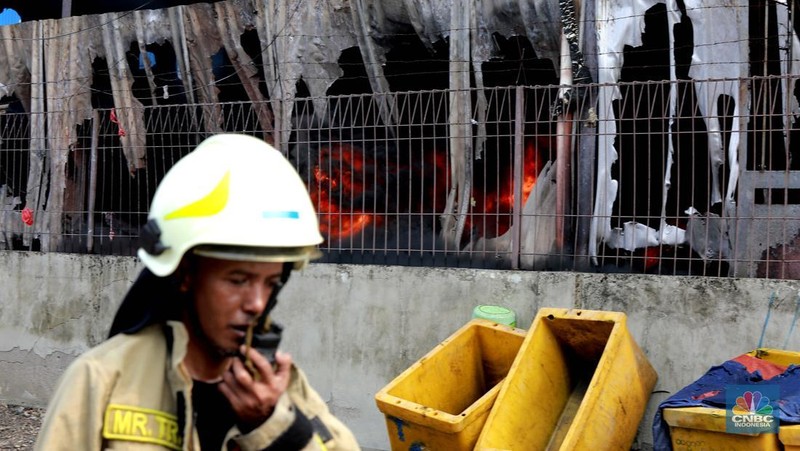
(177, 343)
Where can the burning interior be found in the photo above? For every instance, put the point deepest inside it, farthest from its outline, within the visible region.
(509, 137)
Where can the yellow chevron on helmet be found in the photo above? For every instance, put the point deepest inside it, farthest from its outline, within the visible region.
(210, 204)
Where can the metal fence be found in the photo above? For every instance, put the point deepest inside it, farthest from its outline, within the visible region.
(654, 180)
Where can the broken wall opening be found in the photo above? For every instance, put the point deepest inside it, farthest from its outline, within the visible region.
(106, 200)
(165, 87)
(381, 190)
(14, 148)
(678, 169)
(650, 140)
(769, 149)
(14, 163)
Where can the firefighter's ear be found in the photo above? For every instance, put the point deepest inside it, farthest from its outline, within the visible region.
(184, 275)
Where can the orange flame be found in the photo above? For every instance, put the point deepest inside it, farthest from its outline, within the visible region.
(339, 178)
(495, 207)
(344, 174)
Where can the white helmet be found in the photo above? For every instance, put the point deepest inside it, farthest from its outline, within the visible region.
(234, 197)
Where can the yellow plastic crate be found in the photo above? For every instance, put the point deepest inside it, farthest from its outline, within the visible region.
(703, 428)
(579, 382)
(776, 356)
(442, 400)
(789, 436)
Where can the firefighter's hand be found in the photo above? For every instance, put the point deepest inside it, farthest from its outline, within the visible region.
(254, 398)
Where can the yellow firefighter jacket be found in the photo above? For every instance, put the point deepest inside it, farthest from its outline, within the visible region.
(132, 393)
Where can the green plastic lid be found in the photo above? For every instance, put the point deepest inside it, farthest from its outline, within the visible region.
(496, 313)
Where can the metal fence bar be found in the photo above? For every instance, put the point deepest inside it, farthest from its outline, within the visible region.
(92, 194)
(519, 138)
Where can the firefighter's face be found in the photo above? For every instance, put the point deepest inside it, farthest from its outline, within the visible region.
(228, 297)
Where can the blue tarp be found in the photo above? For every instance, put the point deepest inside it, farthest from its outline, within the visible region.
(9, 17)
(709, 391)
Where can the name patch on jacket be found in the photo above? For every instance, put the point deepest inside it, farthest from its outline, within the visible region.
(137, 424)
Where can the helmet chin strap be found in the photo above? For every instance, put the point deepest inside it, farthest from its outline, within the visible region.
(263, 319)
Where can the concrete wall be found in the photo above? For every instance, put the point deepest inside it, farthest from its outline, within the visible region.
(354, 328)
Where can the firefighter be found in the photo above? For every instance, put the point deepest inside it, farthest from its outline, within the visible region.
(227, 225)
